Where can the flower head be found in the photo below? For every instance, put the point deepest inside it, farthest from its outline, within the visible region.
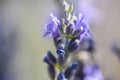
(68, 33)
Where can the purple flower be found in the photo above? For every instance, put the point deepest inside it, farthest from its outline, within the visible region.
(51, 28)
(77, 27)
(92, 72)
(82, 27)
(85, 32)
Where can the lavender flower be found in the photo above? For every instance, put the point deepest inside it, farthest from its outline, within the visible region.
(70, 34)
(74, 26)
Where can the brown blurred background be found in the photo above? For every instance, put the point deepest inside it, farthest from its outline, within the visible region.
(24, 20)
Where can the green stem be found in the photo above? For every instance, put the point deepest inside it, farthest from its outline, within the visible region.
(66, 49)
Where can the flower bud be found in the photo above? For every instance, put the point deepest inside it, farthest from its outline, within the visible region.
(70, 70)
(60, 52)
(46, 60)
(76, 33)
(57, 40)
(75, 65)
(74, 44)
(51, 57)
(70, 28)
(79, 74)
(51, 72)
(61, 76)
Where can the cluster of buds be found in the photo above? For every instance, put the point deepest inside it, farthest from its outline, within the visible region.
(70, 35)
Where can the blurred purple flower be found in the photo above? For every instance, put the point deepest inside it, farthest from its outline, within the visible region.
(88, 45)
(69, 72)
(85, 32)
(92, 72)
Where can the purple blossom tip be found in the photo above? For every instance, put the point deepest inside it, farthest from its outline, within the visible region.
(46, 60)
(51, 28)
